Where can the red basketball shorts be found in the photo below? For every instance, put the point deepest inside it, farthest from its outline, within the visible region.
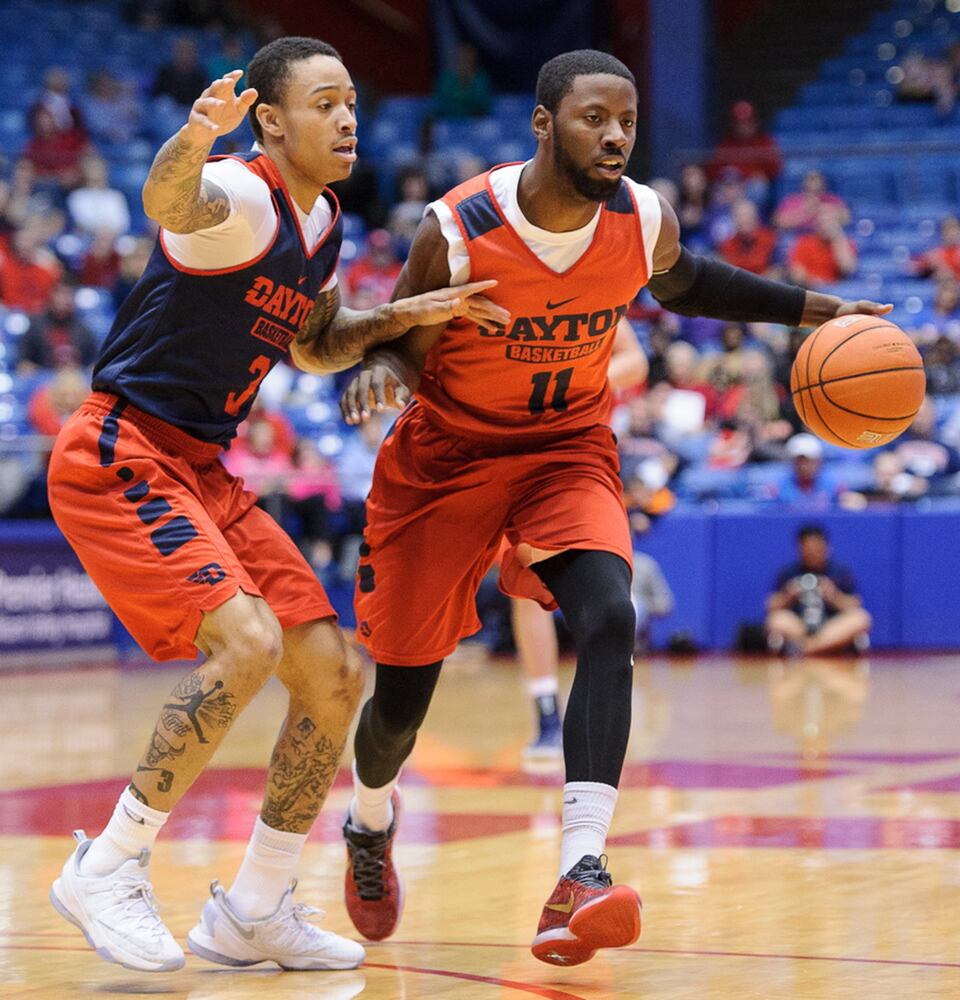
(165, 531)
(437, 512)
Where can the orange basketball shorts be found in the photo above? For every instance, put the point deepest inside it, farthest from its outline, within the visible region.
(165, 532)
(438, 510)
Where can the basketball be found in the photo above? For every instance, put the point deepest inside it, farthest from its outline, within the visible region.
(858, 381)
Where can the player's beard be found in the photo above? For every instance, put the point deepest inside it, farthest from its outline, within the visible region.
(592, 188)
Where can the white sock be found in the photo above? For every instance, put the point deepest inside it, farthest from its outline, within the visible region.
(371, 808)
(268, 866)
(543, 687)
(587, 811)
(132, 827)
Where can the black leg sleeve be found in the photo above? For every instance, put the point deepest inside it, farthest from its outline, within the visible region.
(389, 721)
(593, 591)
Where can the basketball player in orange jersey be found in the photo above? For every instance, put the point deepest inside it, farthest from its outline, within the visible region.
(534, 629)
(245, 266)
(507, 436)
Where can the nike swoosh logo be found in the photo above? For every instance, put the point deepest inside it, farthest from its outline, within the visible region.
(247, 935)
(562, 302)
(561, 907)
(300, 281)
(136, 819)
(569, 802)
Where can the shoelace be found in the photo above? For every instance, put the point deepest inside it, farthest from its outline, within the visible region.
(294, 931)
(302, 912)
(138, 901)
(592, 877)
(368, 864)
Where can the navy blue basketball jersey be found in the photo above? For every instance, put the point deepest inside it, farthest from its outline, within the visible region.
(192, 347)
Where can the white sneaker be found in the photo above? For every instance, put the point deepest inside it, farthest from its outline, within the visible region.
(117, 912)
(284, 937)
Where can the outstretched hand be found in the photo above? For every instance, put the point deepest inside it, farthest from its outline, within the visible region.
(219, 109)
(445, 304)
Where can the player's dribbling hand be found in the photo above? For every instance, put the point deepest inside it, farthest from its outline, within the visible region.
(375, 388)
(219, 109)
(864, 307)
(445, 304)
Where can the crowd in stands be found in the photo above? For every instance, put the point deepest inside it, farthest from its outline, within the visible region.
(713, 422)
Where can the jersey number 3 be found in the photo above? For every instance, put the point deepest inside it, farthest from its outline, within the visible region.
(541, 383)
(258, 369)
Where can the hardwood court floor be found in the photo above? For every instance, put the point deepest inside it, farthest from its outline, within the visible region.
(794, 829)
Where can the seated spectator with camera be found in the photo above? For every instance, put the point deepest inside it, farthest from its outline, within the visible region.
(815, 607)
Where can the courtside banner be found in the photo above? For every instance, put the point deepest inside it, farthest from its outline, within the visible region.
(47, 601)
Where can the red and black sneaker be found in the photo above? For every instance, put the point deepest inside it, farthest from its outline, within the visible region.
(586, 912)
(373, 891)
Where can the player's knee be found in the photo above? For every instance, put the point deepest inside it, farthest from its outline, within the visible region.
(614, 618)
(395, 723)
(256, 647)
(353, 677)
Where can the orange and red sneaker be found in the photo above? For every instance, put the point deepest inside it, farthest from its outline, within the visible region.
(586, 912)
(373, 892)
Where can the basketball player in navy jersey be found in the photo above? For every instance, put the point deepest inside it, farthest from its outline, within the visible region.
(508, 436)
(243, 275)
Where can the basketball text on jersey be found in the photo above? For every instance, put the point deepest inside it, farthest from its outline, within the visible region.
(584, 332)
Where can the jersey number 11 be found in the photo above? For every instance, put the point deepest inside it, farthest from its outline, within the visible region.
(541, 383)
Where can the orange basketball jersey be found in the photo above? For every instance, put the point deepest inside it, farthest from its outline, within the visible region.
(546, 372)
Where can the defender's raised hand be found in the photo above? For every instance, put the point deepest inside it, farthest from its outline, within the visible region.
(219, 109)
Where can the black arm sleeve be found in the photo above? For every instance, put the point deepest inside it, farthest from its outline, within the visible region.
(700, 286)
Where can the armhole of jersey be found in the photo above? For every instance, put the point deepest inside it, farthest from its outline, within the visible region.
(650, 217)
(187, 269)
(331, 280)
(458, 256)
(203, 271)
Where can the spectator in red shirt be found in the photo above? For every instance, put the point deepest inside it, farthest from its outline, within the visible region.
(55, 155)
(745, 147)
(799, 211)
(824, 256)
(28, 271)
(943, 261)
(369, 280)
(101, 263)
(752, 244)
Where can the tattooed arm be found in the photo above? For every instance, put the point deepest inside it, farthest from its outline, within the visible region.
(175, 194)
(334, 337)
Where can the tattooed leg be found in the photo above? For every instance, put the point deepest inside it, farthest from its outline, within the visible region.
(189, 729)
(242, 640)
(302, 768)
(323, 677)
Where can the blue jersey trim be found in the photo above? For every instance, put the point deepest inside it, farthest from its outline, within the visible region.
(478, 215)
